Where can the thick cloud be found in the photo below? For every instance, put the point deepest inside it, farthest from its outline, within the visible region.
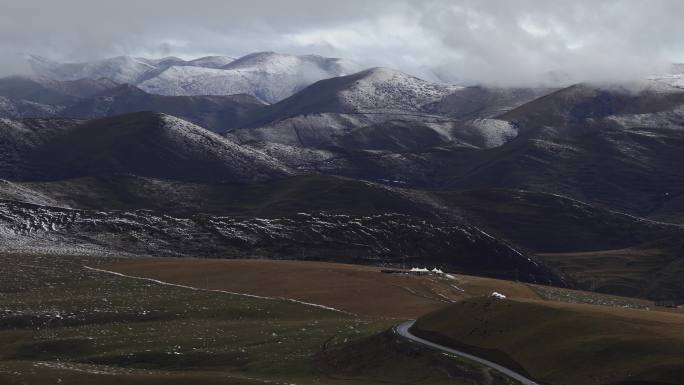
(467, 41)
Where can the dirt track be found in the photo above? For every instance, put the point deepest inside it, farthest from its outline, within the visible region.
(362, 290)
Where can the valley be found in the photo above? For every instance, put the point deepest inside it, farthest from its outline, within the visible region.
(272, 219)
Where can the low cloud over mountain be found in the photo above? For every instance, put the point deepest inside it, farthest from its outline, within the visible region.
(465, 41)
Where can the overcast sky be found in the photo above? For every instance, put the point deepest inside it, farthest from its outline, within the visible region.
(505, 41)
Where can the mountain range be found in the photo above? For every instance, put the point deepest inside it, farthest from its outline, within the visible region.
(314, 158)
(268, 76)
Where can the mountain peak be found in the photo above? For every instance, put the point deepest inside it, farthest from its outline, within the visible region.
(156, 145)
(389, 89)
(256, 58)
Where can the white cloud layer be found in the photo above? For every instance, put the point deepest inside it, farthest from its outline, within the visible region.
(467, 41)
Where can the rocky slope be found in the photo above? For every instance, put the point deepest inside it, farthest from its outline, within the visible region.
(380, 239)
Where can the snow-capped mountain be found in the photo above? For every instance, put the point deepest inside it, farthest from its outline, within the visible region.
(390, 90)
(267, 75)
(120, 69)
(377, 90)
(333, 107)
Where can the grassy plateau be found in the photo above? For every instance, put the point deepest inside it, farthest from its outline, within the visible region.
(61, 323)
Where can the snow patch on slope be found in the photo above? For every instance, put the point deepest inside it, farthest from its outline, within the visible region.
(495, 132)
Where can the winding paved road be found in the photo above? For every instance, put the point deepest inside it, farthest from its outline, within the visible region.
(403, 330)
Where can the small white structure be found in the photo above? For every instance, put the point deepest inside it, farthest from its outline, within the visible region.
(497, 295)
